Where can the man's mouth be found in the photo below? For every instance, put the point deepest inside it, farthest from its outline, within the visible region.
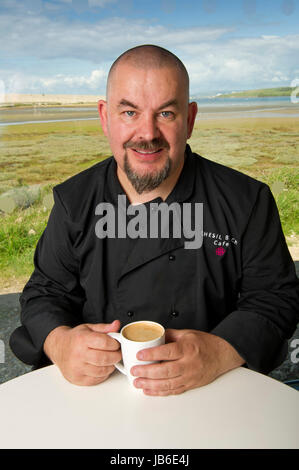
(149, 156)
(147, 152)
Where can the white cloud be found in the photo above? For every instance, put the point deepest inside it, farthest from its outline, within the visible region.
(269, 37)
(100, 3)
(92, 83)
(214, 58)
(242, 62)
(42, 38)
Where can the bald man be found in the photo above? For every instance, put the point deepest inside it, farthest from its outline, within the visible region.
(232, 301)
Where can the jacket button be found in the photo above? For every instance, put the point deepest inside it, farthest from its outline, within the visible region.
(130, 314)
(171, 257)
(174, 314)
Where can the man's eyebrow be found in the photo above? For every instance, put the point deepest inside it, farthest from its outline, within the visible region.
(169, 103)
(124, 102)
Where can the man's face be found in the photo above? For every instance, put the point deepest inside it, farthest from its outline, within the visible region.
(147, 120)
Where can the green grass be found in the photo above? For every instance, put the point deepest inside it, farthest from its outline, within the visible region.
(47, 154)
(287, 197)
(19, 234)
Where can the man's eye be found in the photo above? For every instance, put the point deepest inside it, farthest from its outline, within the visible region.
(130, 113)
(167, 114)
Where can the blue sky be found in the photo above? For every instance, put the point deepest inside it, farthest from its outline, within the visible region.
(67, 46)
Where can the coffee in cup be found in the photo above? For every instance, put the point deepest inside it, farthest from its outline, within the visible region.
(142, 331)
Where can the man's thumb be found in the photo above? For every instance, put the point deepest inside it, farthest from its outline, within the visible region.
(105, 327)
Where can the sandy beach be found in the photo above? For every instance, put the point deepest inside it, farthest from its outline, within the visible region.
(40, 99)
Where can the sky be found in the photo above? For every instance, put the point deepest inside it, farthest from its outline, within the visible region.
(68, 46)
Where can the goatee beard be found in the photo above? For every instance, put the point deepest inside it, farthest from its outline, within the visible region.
(146, 182)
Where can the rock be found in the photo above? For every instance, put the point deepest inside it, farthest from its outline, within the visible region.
(21, 197)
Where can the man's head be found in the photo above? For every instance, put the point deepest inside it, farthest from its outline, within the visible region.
(149, 57)
(147, 116)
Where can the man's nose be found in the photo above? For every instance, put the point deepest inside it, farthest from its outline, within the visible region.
(148, 128)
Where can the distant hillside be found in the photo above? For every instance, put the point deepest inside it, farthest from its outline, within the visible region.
(260, 93)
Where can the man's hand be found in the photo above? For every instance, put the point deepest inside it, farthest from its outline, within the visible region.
(192, 359)
(85, 354)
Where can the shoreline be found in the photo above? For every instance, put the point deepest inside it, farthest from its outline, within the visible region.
(93, 104)
(17, 106)
(71, 112)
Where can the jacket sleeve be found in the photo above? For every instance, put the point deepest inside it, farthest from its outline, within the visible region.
(53, 295)
(268, 306)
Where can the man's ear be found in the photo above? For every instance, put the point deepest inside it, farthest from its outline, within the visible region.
(192, 112)
(102, 109)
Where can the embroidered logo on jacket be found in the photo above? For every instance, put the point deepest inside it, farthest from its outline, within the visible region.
(219, 240)
(220, 251)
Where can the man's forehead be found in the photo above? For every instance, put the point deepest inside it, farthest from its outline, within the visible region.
(141, 81)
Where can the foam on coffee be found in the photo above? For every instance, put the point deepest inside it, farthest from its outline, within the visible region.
(142, 332)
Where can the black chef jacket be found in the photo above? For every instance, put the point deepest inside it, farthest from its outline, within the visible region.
(240, 284)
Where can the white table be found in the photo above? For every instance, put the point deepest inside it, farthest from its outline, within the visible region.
(241, 409)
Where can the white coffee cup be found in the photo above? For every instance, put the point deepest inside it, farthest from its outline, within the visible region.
(130, 347)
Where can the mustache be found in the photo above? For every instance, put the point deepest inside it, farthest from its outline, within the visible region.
(150, 146)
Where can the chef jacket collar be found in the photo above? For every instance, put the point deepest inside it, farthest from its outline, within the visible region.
(180, 193)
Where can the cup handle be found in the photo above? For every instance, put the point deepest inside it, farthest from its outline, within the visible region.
(119, 366)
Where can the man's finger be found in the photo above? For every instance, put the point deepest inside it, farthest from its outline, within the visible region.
(163, 370)
(98, 357)
(101, 341)
(165, 352)
(97, 372)
(161, 393)
(104, 327)
(159, 385)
